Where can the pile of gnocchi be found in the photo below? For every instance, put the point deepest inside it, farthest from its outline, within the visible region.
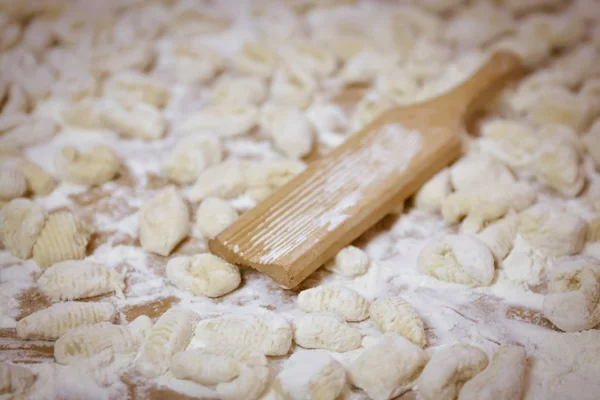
(132, 131)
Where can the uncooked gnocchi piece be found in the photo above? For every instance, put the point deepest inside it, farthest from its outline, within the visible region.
(171, 334)
(573, 299)
(54, 321)
(190, 156)
(552, 231)
(592, 142)
(593, 233)
(309, 56)
(503, 379)
(39, 181)
(164, 222)
(292, 85)
(21, 222)
(269, 333)
(289, 128)
(368, 109)
(193, 63)
(312, 375)
(255, 58)
(238, 91)
(432, 194)
(224, 180)
(31, 132)
(556, 105)
(388, 368)
(474, 171)
(103, 339)
(203, 275)
(349, 262)
(499, 236)
(15, 380)
(132, 87)
(460, 259)
(514, 143)
(93, 167)
(342, 301)
(137, 120)
(558, 166)
(394, 314)
(213, 216)
(325, 331)
(449, 368)
(363, 67)
(272, 174)
(204, 367)
(63, 237)
(12, 182)
(224, 120)
(85, 114)
(72, 280)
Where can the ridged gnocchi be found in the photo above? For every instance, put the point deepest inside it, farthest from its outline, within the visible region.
(56, 320)
(15, 380)
(73, 280)
(63, 237)
(503, 379)
(164, 222)
(460, 259)
(312, 375)
(39, 181)
(269, 333)
(213, 216)
(349, 262)
(325, 331)
(203, 275)
(552, 231)
(394, 314)
(21, 222)
(342, 301)
(190, 156)
(192, 63)
(30, 132)
(12, 182)
(204, 367)
(171, 334)
(103, 340)
(388, 368)
(448, 369)
(136, 120)
(573, 299)
(95, 166)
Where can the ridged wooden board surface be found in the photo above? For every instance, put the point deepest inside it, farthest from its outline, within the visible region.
(338, 197)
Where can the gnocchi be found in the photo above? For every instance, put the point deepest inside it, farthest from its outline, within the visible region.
(503, 379)
(63, 237)
(21, 222)
(388, 368)
(39, 181)
(203, 275)
(224, 120)
(325, 331)
(472, 172)
(460, 259)
(238, 91)
(190, 156)
(394, 314)
(269, 333)
(499, 236)
(170, 334)
(103, 339)
(255, 58)
(213, 216)
(135, 87)
(558, 166)
(349, 262)
(289, 128)
(342, 301)
(164, 222)
(292, 85)
(96, 166)
(432, 194)
(449, 368)
(573, 299)
(73, 280)
(514, 143)
(28, 132)
(12, 182)
(224, 180)
(203, 367)
(56, 320)
(137, 120)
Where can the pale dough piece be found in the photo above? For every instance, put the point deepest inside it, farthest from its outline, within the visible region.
(132, 87)
(499, 236)
(85, 114)
(12, 182)
(171, 334)
(512, 142)
(394, 314)
(325, 331)
(292, 85)
(342, 301)
(28, 131)
(63, 237)
(78, 279)
(190, 156)
(164, 222)
(21, 222)
(203, 275)
(224, 180)
(449, 368)
(137, 120)
(255, 58)
(289, 128)
(592, 142)
(349, 262)
(224, 120)
(213, 216)
(268, 333)
(54, 321)
(558, 165)
(432, 194)
(93, 167)
(238, 91)
(474, 171)
(460, 259)
(503, 379)
(204, 367)
(39, 181)
(388, 368)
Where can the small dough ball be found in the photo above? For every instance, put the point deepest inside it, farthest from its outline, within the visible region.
(12, 182)
(203, 275)
(213, 216)
(21, 222)
(349, 262)
(96, 166)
